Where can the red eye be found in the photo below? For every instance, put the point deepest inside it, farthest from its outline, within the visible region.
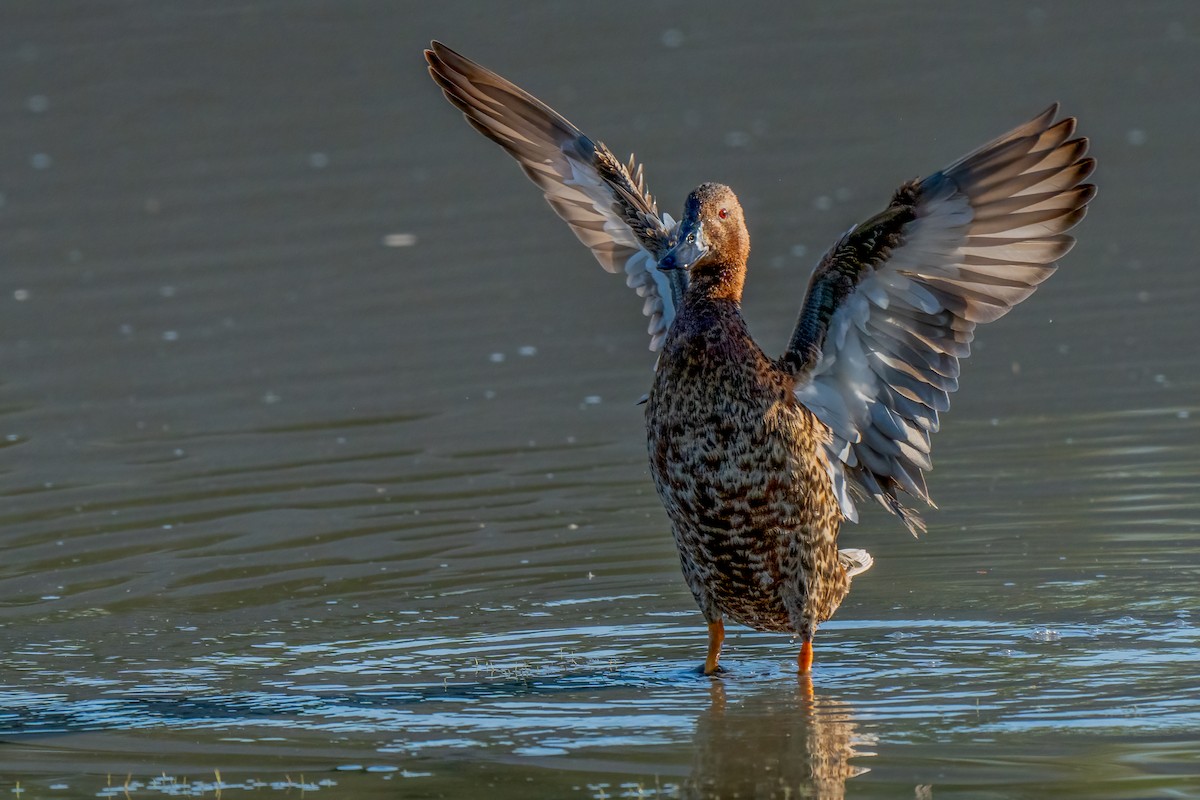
(722, 213)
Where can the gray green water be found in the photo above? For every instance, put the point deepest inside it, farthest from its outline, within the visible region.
(318, 443)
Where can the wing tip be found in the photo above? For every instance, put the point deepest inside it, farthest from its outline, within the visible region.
(435, 52)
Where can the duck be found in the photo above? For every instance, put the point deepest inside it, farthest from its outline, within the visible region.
(759, 460)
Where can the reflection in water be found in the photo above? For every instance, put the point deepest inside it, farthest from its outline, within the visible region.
(776, 743)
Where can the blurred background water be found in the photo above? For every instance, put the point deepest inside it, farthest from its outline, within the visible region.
(318, 437)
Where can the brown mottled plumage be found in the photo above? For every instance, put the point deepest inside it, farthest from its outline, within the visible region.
(736, 459)
(756, 459)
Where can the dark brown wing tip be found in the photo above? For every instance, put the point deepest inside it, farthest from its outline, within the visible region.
(441, 57)
(449, 58)
(1068, 124)
(1040, 122)
(432, 52)
(433, 59)
(1086, 167)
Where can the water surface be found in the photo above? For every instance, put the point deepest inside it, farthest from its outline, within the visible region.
(318, 437)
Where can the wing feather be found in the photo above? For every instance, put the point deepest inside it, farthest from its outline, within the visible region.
(604, 201)
(892, 308)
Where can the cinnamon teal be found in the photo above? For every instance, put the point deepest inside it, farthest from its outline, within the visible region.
(759, 460)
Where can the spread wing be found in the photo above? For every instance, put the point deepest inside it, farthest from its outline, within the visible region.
(892, 307)
(603, 200)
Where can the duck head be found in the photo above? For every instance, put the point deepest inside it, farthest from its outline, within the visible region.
(713, 243)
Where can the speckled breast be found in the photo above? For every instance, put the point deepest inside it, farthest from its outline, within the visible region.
(737, 464)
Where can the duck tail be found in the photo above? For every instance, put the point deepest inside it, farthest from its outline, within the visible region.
(855, 562)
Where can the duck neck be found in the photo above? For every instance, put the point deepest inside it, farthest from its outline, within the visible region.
(717, 281)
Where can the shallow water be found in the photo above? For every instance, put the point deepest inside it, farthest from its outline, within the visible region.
(318, 437)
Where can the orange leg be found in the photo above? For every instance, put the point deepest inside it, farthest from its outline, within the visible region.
(716, 635)
(804, 660)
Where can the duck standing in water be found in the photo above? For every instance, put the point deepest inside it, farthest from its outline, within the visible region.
(755, 458)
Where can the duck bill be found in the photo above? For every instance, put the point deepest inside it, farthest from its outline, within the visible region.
(689, 249)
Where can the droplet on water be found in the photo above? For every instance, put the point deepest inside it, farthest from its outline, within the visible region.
(737, 138)
(672, 37)
(1045, 635)
(400, 240)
